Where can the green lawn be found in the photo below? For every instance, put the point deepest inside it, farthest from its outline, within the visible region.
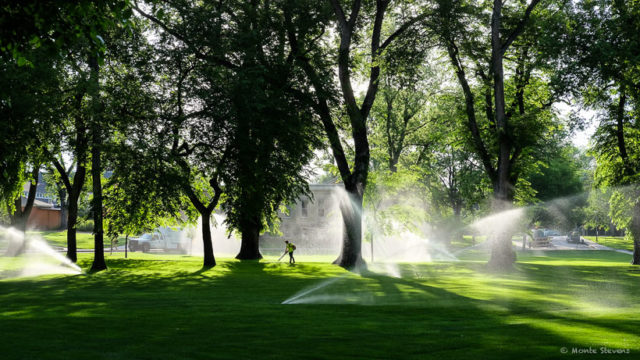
(466, 241)
(166, 307)
(615, 242)
(59, 238)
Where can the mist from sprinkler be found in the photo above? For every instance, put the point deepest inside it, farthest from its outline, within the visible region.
(403, 245)
(37, 258)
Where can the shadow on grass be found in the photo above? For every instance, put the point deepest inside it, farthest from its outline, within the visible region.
(150, 309)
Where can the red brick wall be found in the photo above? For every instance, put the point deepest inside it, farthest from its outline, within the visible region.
(44, 219)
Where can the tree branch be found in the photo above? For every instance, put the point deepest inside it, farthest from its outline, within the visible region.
(321, 106)
(374, 74)
(337, 8)
(453, 51)
(404, 27)
(215, 59)
(62, 172)
(31, 197)
(520, 27)
(355, 10)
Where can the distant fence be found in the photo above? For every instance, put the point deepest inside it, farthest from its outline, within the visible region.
(613, 232)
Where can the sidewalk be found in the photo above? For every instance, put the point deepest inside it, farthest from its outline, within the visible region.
(560, 243)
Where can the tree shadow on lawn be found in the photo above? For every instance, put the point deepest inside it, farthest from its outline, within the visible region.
(234, 311)
(581, 280)
(556, 287)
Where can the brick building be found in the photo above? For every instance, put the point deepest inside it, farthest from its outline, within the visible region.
(46, 213)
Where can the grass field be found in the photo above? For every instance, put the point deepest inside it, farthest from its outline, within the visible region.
(59, 239)
(466, 241)
(615, 242)
(167, 307)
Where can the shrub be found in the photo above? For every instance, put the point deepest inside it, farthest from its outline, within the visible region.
(85, 225)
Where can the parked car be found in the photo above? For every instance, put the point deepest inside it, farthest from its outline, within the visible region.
(160, 239)
(539, 239)
(552, 233)
(574, 237)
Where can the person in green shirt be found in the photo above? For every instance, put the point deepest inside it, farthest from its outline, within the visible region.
(289, 249)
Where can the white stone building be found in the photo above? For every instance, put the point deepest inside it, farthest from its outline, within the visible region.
(314, 225)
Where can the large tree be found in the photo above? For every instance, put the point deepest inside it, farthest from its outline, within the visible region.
(515, 107)
(242, 87)
(596, 213)
(167, 140)
(56, 30)
(110, 17)
(274, 132)
(73, 141)
(376, 27)
(415, 143)
(403, 115)
(28, 94)
(603, 53)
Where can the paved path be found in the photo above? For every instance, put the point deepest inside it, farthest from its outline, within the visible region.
(560, 243)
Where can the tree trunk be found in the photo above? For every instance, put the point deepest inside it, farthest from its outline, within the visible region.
(456, 232)
(635, 232)
(250, 247)
(17, 245)
(19, 220)
(72, 221)
(372, 237)
(23, 214)
(205, 213)
(64, 206)
(501, 187)
(472, 123)
(351, 208)
(74, 190)
(502, 254)
(98, 231)
(20, 217)
(96, 170)
(126, 246)
(207, 244)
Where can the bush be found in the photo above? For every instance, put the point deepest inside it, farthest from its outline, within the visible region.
(85, 225)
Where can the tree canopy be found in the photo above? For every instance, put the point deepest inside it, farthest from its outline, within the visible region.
(202, 107)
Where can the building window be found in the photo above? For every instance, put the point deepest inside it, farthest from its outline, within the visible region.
(305, 211)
